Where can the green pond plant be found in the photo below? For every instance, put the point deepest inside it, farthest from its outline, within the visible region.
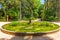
(32, 27)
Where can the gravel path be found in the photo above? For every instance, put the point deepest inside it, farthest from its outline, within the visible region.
(53, 36)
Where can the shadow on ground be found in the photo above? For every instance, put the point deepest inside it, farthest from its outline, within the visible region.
(28, 38)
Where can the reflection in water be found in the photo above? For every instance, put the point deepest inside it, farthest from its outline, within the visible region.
(41, 38)
(29, 38)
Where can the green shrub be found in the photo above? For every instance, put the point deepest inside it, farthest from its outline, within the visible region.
(13, 14)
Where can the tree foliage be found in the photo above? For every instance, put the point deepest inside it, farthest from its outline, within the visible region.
(25, 9)
(50, 10)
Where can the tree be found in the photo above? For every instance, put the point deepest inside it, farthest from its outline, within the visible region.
(50, 10)
(30, 8)
(7, 5)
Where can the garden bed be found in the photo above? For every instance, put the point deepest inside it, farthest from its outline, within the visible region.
(22, 28)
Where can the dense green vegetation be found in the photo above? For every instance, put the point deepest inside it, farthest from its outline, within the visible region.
(25, 9)
(51, 10)
(33, 27)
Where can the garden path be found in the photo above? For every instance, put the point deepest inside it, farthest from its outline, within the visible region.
(53, 36)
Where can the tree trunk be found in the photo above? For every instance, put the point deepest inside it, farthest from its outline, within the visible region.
(4, 13)
(59, 8)
(29, 21)
(20, 12)
(7, 18)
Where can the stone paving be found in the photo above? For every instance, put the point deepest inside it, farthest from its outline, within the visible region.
(53, 36)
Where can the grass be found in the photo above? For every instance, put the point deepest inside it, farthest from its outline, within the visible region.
(33, 27)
